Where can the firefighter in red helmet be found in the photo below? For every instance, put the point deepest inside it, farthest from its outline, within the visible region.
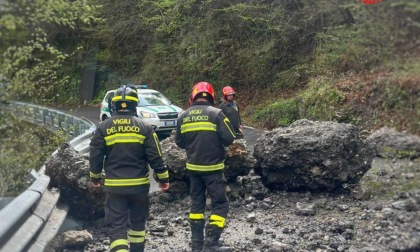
(231, 109)
(204, 132)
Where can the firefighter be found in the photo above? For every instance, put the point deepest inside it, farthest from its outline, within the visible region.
(204, 132)
(111, 107)
(124, 145)
(231, 109)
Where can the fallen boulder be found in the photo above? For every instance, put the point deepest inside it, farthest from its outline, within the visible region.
(69, 172)
(390, 143)
(239, 161)
(248, 186)
(313, 156)
(175, 158)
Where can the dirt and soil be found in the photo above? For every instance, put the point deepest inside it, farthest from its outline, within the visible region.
(368, 219)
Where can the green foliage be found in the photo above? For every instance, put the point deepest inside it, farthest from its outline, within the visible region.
(350, 48)
(280, 113)
(30, 32)
(12, 175)
(413, 184)
(320, 100)
(23, 147)
(241, 43)
(396, 97)
(169, 44)
(26, 68)
(297, 76)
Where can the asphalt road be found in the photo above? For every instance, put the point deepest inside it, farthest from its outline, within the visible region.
(90, 113)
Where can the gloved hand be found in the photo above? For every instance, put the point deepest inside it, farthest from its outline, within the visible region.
(164, 187)
(93, 186)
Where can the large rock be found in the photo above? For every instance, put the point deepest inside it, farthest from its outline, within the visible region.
(246, 186)
(239, 161)
(390, 143)
(175, 158)
(312, 156)
(69, 172)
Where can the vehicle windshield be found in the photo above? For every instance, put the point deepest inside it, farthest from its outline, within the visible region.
(152, 99)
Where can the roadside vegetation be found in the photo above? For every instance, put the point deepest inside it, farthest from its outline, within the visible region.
(23, 147)
(286, 59)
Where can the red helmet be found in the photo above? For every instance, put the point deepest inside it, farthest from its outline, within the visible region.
(202, 87)
(227, 91)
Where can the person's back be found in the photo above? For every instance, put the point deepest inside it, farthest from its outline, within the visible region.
(203, 136)
(124, 158)
(124, 145)
(204, 132)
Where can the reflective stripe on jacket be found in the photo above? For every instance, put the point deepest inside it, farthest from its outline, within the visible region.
(203, 131)
(127, 144)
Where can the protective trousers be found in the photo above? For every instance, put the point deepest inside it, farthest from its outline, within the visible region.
(215, 185)
(122, 210)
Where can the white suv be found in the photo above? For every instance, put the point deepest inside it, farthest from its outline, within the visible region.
(153, 107)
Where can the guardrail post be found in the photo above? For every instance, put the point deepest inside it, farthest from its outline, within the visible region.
(70, 122)
(44, 117)
(36, 110)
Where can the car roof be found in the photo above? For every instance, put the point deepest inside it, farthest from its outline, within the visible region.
(147, 91)
(139, 91)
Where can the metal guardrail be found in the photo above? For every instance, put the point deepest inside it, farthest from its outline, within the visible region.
(49, 118)
(23, 221)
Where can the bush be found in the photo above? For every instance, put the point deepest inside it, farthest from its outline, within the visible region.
(23, 147)
(320, 100)
(349, 48)
(280, 113)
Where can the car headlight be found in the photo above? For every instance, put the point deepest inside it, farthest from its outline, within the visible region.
(147, 114)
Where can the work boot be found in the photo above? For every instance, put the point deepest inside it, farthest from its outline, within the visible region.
(197, 235)
(211, 243)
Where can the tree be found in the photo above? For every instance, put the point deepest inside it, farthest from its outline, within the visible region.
(33, 54)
